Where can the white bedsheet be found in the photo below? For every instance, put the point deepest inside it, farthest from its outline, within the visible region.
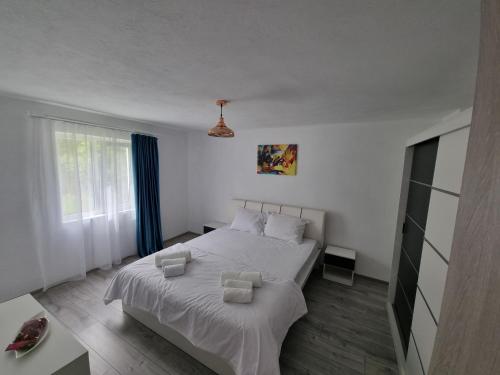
(248, 336)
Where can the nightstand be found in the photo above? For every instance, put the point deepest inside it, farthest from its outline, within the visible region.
(213, 225)
(339, 265)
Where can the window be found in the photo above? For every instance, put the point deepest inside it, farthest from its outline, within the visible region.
(94, 171)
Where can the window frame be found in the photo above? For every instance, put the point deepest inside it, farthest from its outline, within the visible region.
(97, 210)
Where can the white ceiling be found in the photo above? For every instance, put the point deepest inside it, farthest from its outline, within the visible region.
(282, 63)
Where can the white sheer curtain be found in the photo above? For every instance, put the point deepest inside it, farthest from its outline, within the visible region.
(83, 200)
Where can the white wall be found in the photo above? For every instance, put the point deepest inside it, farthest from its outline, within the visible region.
(19, 269)
(353, 171)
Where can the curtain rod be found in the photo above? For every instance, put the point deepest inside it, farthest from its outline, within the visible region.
(90, 124)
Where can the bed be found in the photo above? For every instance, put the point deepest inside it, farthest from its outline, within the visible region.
(189, 312)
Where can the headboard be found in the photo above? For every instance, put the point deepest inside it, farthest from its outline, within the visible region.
(315, 227)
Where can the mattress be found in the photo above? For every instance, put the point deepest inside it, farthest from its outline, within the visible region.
(308, 266)
(248, 337)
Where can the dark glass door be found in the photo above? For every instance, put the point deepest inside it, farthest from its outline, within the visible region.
(419, 193)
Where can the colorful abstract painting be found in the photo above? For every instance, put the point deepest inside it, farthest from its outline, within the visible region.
(277, 159)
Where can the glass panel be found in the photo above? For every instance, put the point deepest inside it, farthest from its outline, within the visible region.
(417, 207)
(404, 316)
(413, 240)
(424, 161)
(408, 278)
(94, 174)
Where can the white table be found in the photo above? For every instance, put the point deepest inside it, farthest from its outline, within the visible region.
(339, 264)
(60, 353)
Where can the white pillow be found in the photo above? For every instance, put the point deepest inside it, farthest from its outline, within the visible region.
(248, 221)
(288, 228)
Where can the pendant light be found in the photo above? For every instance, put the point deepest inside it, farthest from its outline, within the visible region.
(221, 130)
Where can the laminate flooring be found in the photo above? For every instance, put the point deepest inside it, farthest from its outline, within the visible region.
(346, 330)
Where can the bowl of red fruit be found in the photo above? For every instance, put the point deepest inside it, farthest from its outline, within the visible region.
(30, 335)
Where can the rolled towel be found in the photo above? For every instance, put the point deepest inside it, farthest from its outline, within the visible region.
(186, 249)
(159, 256)
(242, 284)
(170, 262)
(254, 277)
(238, 295)
(174, 270)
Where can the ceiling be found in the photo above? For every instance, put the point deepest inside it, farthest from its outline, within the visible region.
(281, 62)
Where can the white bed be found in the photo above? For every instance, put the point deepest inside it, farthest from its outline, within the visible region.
(189, 311)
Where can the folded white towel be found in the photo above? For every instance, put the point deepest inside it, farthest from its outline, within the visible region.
(242, 284)
(172, 253)
(170, 262)
(254, 277)
(238, 295)
(174, 270)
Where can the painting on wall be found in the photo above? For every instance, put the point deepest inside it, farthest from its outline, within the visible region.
(277, 159)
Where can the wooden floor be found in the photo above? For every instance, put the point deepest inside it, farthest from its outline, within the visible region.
(345, 332)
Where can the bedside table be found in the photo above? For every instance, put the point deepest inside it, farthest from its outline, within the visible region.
(339, 265)
(213, 225)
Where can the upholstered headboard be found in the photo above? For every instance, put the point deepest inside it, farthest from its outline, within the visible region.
(315, 228)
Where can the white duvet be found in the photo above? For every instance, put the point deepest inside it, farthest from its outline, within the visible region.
(247, 336)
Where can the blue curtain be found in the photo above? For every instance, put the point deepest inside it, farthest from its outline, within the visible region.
(147, 194)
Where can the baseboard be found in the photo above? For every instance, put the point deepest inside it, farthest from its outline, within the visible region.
(372, 278)
(398, 347)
